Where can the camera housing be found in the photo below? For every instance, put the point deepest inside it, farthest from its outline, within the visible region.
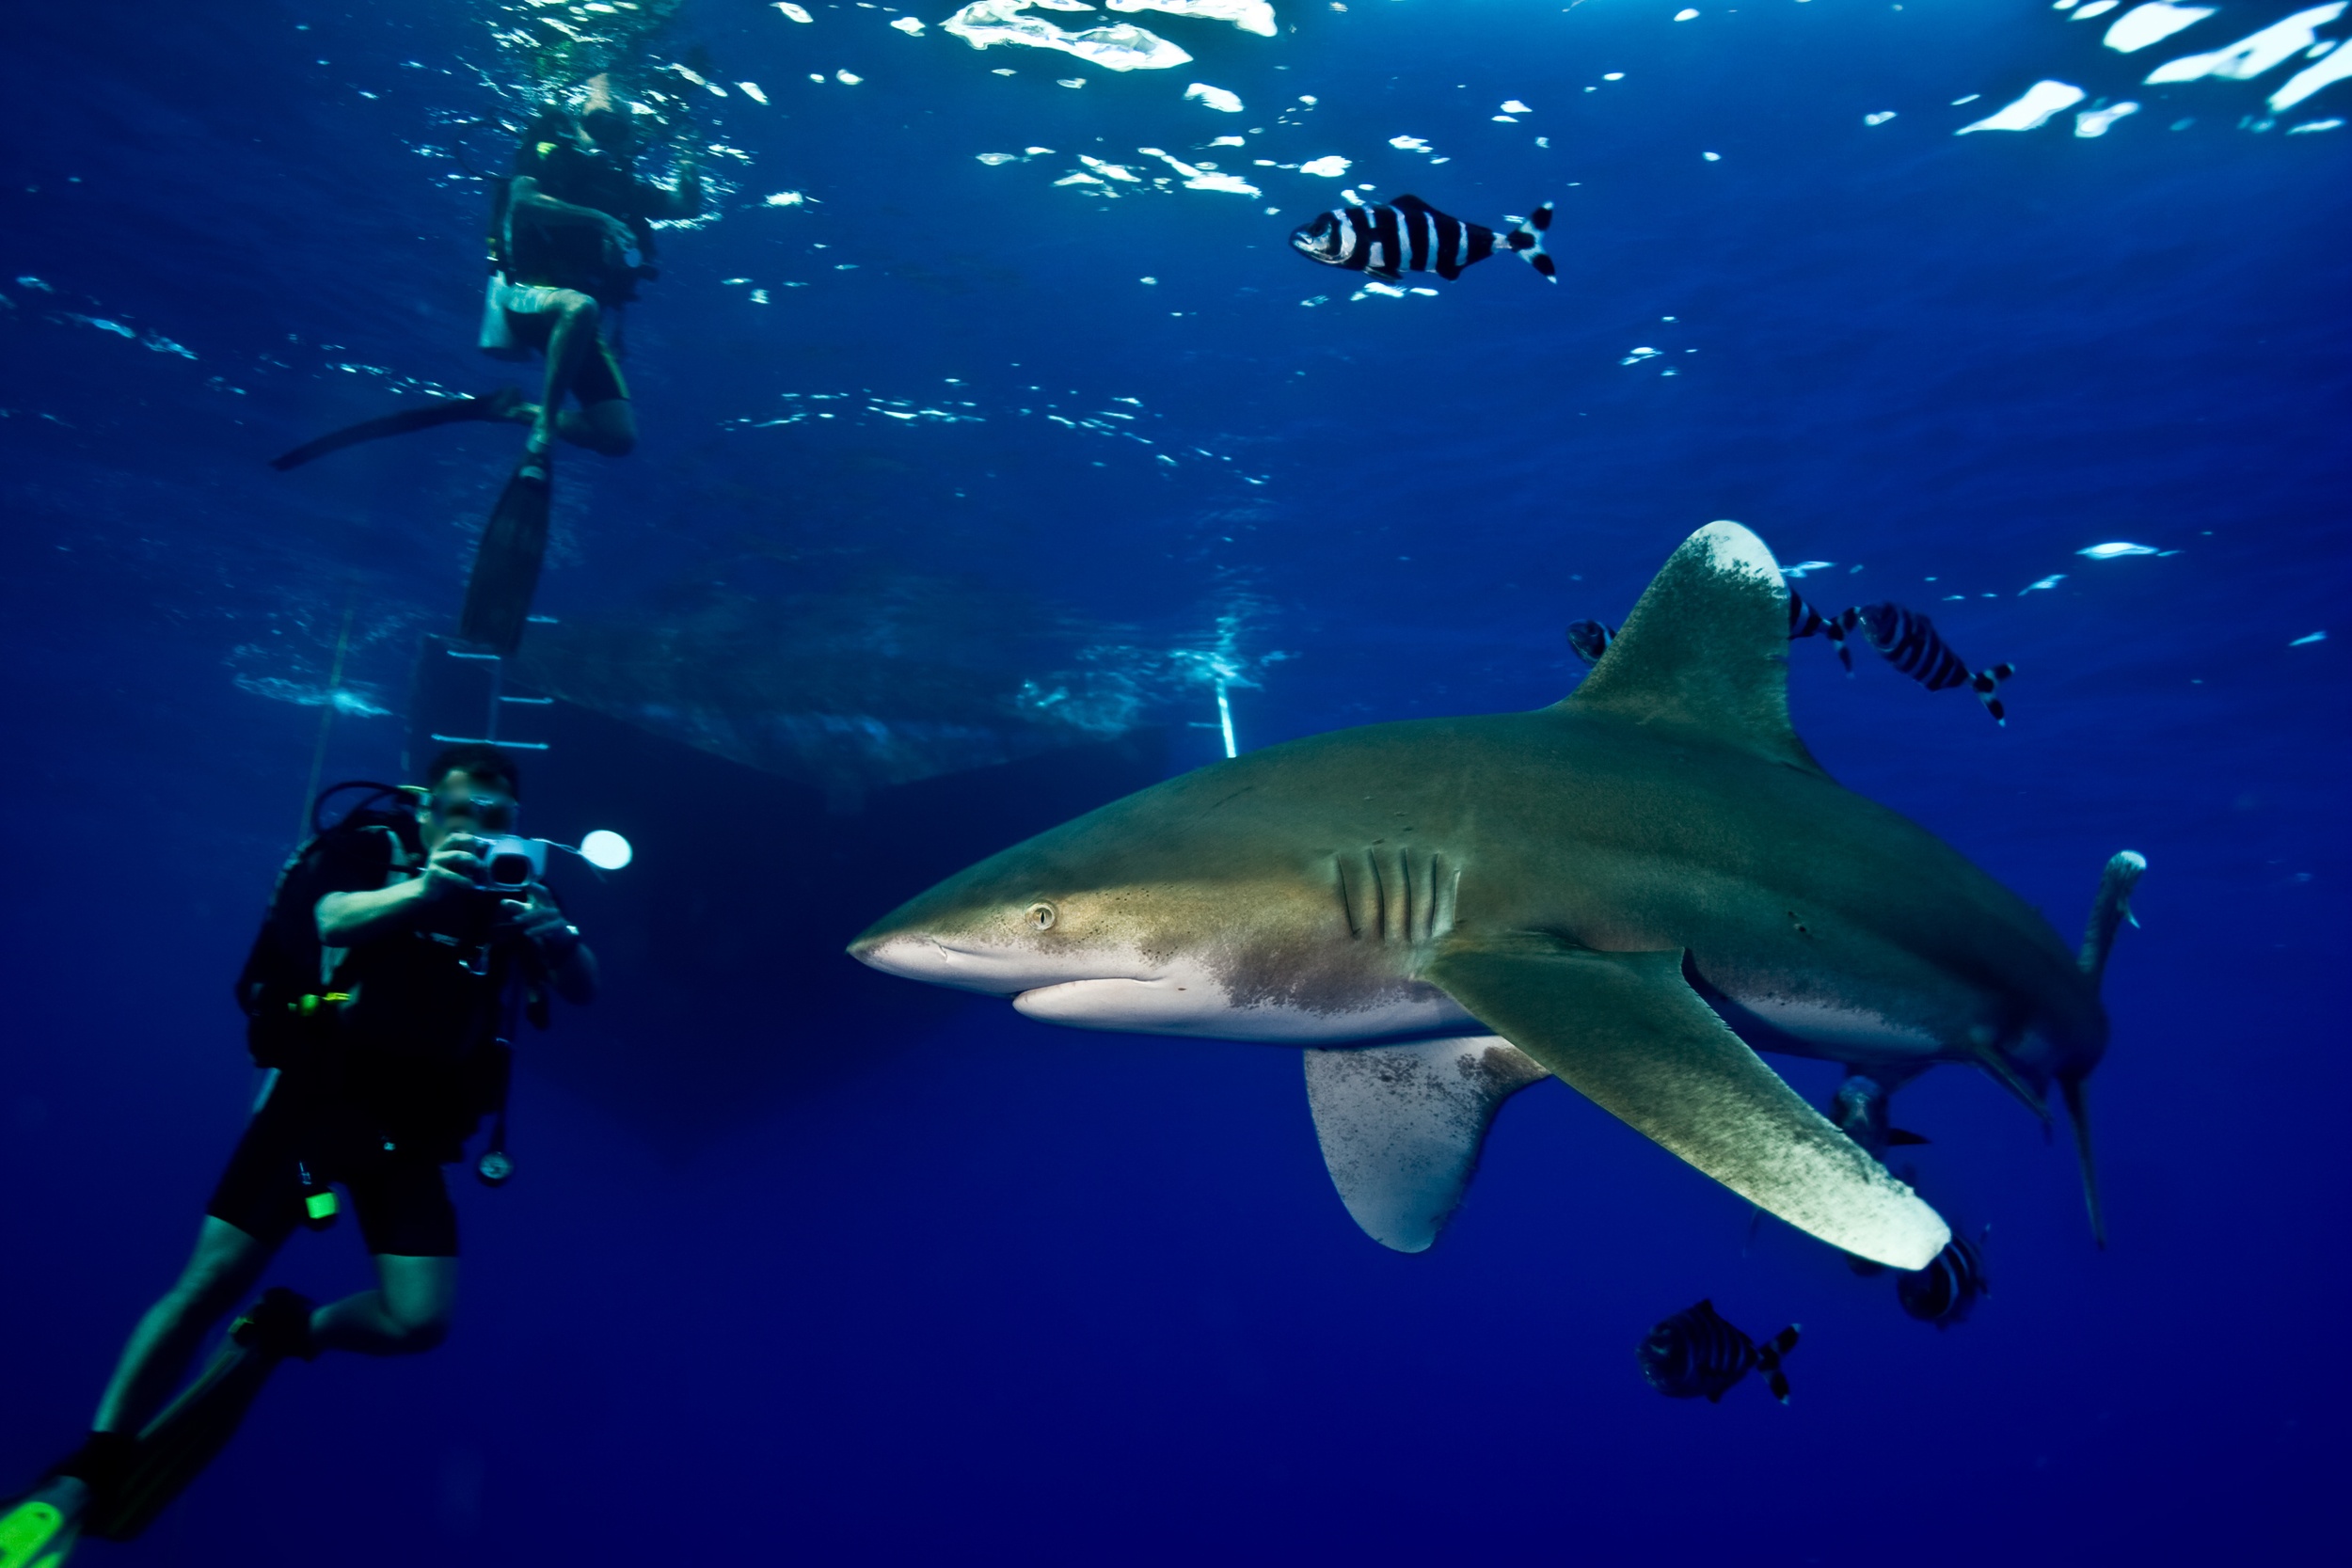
(511, 864)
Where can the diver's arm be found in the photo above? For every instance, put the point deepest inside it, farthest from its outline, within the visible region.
(348, 919)
(526, 202)
(576, 977)
(684, 203)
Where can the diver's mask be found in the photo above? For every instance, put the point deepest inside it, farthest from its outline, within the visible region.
(490, 813)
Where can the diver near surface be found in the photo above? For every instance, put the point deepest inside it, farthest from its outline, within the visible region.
(384, 985)
(561, 232)
(564, 230)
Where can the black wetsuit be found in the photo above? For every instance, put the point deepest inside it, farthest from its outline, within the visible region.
(378, 1092)
(575, 255)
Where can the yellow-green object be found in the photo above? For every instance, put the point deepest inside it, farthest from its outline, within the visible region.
(320, 1205)
(30, 1530)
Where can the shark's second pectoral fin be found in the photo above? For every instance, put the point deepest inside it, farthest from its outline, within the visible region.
(1401, 1127)
(1628, 1033)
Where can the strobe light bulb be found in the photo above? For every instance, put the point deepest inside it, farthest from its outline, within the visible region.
(606, 851)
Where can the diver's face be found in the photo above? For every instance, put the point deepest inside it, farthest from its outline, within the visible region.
(609, 130)
(462, 803)
(1319, 240)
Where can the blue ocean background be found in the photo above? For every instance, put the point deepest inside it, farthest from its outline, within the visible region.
(804, 1264)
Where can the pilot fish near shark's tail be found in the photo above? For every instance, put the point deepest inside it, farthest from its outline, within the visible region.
(1390, 239)
(1698, 1351)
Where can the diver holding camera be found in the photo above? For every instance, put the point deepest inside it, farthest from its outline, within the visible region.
(402, 947)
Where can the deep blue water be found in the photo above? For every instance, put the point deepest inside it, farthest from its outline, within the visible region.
(809, 1265)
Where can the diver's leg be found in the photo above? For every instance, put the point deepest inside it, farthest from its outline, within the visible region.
(608, 427)
(573, 323)
(226, 1264)
(407, 1312)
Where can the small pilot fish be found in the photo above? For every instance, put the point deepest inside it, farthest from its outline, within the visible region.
(1905, 638)
(1411, 235)
(1804, 621)
(1945, 1292)
(1911, 644)
(1589, 639)
(1697, 1352)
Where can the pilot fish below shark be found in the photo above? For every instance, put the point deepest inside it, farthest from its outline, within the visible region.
(1441, 912)
(1391, 238)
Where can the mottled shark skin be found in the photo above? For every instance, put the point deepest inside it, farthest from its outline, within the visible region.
(1442, 911)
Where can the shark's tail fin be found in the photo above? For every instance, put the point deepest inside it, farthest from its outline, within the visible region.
(1527, 238)
(2108, 912)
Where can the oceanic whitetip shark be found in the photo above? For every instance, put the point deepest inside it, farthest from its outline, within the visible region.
(1442, 911)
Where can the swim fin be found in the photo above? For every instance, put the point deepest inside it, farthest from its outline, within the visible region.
(498, 406)
(35, 1534)
(175, 1447)
(506, 565)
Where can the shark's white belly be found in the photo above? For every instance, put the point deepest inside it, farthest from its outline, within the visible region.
(1187, 998)
(1840, 1031)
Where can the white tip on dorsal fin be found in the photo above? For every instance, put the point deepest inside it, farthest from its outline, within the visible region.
(1401, 1127)
(1707, 648)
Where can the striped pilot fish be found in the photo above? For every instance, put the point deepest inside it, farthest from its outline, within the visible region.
(1906, 638)
(1410, 235)
(1698, 1351)
(1945, 1292)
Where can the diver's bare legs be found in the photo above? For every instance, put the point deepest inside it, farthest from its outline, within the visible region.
(407, 1313)
(226, 1265)
(608, 427)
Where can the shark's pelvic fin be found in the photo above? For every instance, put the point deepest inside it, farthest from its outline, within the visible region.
(1706, 647)
(1401, 1127)
(2110, 909)
(1628, 1032)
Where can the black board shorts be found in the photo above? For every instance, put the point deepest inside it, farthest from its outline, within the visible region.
(402, 1200)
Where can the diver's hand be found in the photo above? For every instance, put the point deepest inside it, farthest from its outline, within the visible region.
(619, 236)
(556, 938)
(455, 870)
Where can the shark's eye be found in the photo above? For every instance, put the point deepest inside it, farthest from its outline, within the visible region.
(1040, 916)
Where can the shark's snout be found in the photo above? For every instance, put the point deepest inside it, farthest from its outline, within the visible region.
(914, 956)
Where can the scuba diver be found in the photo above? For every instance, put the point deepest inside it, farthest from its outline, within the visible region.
(570, 238)
(401, 948)
(561, 234)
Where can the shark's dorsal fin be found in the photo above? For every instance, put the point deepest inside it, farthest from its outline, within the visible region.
(1707, 648)
(1401, 1127)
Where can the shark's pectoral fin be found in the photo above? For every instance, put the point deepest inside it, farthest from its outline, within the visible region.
(1401, 1127)
(1628, 1033)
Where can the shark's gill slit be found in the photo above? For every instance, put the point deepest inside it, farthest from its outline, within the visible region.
(1389, 892)
(1348, 900)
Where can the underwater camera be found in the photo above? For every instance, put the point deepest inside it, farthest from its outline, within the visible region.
(511, 864)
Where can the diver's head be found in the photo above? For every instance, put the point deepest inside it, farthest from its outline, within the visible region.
(611, 131)
(1320, 241)
(606, 126)
(474, 788)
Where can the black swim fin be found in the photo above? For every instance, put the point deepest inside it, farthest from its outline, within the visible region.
(500, 404)
(175, 1447)
(506, 565)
